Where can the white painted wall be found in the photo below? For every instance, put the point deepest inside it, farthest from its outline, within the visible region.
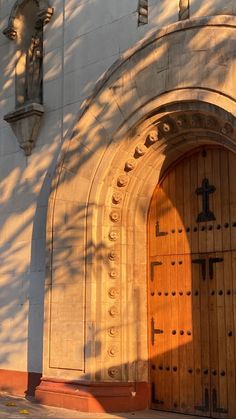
(82, 41)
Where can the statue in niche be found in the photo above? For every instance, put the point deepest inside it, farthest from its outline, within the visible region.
(33, 70)
(25, 28)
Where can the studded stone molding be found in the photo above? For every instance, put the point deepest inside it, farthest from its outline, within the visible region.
(113, 255)
(113, 292)
(113, 311)
(122, 181)
(43, 17)
(140, 150)
(113, 235)
(165, 128)
(113, 331)
(113, 351)
(114, 372)
(182, 123)
(115, 216)
(151, 138)
(142, 12)
(183, 9)
(130, 165)
(116, 198)
(113, 274)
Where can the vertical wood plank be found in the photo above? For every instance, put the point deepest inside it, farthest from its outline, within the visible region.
(175, 381)
(232, 188)
(194, 244)
(221, 273)
(201, 226)
(197, 350)
(209, 226)
(232, 342)
(216, 176)
(205, 338)
(187, 198)
(225, 200)
(188, 335)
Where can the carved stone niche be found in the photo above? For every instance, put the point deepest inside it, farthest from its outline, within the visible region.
(25, 28)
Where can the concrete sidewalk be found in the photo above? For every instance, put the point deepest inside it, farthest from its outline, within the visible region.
(16, 408)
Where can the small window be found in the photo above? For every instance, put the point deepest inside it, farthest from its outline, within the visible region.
(142, 12)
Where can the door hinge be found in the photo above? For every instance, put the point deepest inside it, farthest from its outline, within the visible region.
(211, 262)
(158, 232)
(205, 407)
(214, 404)
(153, 264)
(154, 331)
(154, 400)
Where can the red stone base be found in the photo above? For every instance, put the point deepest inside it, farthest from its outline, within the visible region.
(93, 397)
(19, 383)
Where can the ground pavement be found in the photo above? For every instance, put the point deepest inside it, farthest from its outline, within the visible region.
(18, 408)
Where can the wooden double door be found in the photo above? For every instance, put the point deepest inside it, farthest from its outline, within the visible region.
(192, 286)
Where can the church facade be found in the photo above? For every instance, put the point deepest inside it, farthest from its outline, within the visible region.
(118, 204)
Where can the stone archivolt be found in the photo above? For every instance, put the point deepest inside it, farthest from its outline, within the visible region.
(163, 119)
(176, 128)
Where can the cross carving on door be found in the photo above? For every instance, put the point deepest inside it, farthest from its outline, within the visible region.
(205, 190)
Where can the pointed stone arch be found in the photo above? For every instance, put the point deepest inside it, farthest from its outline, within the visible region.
(143, 115)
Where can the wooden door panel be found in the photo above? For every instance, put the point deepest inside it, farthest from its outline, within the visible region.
(232, 188)
(177, 206)
(175, 313)
(192, 287)
(216, 203)
(225, 207)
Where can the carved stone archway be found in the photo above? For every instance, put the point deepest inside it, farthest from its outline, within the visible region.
(143, 115)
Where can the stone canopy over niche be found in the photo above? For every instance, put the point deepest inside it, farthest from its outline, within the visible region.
(25, 27)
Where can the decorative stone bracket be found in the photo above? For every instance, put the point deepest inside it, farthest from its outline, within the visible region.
(25, 123)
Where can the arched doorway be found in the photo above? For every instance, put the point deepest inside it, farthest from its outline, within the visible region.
(192, 286)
